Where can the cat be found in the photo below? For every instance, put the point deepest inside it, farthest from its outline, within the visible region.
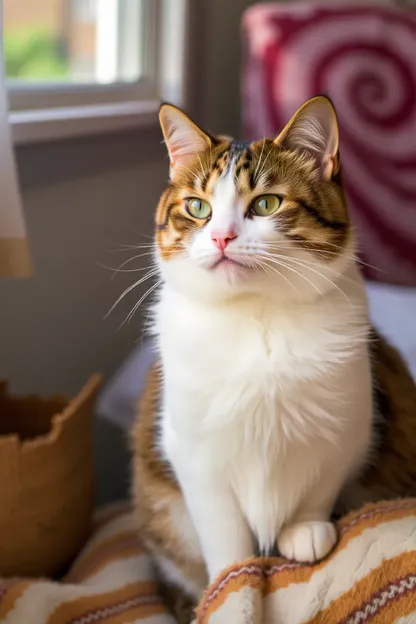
(274, 402)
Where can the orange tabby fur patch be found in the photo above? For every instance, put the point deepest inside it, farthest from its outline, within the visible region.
(155, 491)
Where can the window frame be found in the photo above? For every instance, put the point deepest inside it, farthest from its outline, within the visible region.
(48, 111)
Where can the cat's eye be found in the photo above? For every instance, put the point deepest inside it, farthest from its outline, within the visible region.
(198, 208)
(266, 205)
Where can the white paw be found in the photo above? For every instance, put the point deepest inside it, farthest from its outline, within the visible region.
(307, 542)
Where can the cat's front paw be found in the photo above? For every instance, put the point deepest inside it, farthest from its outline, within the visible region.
(307, 542)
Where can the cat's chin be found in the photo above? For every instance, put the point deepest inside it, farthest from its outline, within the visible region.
(231, 269)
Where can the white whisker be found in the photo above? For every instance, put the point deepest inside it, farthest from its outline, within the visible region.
(192, 172)
(202, 168)
(264, 164)
(354, 258)
(258, 164)
(280, 263)
(148, 268)
(123, 264)
(264, 265)
(264, 173)
(305, 265)
(308, 265)
(130, 288)
(142, 234)
(134, 247)
(140, 301)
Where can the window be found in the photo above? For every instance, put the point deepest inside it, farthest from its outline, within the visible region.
(84, 10)
(90, 64)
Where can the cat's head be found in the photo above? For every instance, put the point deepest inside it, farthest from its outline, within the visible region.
(263, 216)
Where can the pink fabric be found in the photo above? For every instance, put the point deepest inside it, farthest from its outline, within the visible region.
(364, 58)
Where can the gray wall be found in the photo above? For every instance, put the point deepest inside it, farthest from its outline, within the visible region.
(217, 64)
(83, 200)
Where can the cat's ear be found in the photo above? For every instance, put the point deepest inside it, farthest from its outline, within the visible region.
(183, 137)
(314, 129)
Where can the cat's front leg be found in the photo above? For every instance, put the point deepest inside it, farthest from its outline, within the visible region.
(310, 535)
(223, 532)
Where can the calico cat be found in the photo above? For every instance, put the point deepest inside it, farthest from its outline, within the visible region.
(274, 401)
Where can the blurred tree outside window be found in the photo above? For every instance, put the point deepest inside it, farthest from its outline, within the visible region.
(34, 53)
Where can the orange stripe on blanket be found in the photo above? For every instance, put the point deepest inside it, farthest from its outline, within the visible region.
(393, 601)
(367, 589)
(70, 610)
(129, 611)
(94, 562)
(231, 581)
(10, 591)
(284, 573)
(355, 530)
(278, 573)
(99, 552)
(372, 510)
(139, 613)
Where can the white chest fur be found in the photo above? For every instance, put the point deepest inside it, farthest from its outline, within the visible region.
(264, 398)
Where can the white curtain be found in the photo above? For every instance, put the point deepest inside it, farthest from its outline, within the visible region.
(14, 252)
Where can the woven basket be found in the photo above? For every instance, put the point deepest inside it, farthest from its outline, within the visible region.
(46, 480)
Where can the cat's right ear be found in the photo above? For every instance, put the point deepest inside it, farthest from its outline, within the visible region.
(184, 139)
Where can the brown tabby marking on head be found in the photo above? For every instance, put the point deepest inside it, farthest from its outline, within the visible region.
(313, 213)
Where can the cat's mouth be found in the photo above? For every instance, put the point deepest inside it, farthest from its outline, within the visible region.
(228, 264)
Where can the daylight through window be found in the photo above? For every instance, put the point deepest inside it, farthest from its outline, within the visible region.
(74, 41)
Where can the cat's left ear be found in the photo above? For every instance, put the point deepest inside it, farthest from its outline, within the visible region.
(314, 129)
(184, 139)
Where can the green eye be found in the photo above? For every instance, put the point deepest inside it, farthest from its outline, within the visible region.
(266, 205)
(198, 208)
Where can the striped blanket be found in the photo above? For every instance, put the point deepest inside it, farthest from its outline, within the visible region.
(370, 577)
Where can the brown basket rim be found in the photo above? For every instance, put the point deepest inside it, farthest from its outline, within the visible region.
(58, 420)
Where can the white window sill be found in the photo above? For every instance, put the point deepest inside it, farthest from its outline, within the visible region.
(34, 126)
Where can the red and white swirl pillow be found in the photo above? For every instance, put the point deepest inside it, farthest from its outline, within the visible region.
(364, 57)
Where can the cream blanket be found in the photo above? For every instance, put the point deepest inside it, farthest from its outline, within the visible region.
(370, 577)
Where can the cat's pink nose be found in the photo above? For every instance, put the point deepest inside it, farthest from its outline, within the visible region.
(222, 239)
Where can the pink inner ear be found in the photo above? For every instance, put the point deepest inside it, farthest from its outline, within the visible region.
(179, 159)
(327, 166)
(184, 139)
(180, 153)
